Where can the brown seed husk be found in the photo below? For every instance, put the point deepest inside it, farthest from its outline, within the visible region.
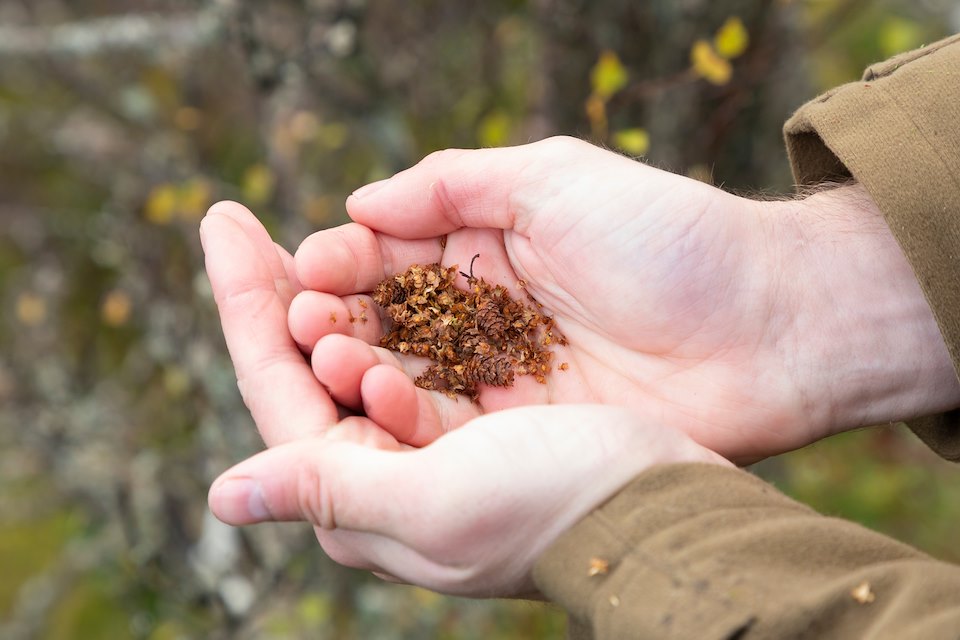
(479, 336)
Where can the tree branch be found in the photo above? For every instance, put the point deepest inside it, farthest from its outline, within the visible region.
(141, 32)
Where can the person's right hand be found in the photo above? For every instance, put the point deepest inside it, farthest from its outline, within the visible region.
(755, 327)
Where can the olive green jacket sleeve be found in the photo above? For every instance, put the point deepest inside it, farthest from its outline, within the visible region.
(701, 551)
(897, 132)
(709, 552)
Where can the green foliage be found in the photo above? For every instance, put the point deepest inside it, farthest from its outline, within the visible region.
(884, 478)
(29, 548)
(608, 76)
(87, 611)
(731, 39)
(634, 141)
(850, 40)
(494, 129)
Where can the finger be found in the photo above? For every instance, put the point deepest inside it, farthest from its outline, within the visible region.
(412, 415)
(390, 399)
(271, 253)
(380, 384)
(314, 314)
(330, 483)
(276, 383)
(358, 499)
(289, 270)
(353, 259)
(455, 188)
(339, 363)
(362, 431)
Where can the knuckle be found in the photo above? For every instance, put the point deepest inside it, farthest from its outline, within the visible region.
(314, 500)
(442, 157)
(447, 201)
(563, 145)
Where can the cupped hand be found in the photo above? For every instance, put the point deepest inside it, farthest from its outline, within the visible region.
(666, 288)
(468, 514)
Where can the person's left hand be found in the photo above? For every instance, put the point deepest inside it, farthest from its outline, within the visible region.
(468, 514)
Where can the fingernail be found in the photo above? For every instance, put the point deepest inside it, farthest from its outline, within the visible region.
(369, 189)
(239, 501)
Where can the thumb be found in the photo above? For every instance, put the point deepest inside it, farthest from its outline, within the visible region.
(328, 482)
(457, 188)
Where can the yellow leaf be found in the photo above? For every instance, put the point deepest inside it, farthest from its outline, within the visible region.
(31, 309)
(608, 76)
(194, 198)
(258, 184)
(708, 65)
(315, 609)
(596, 110)
(161, 204)
(731, 39)
(494, 129)
(429, 600)
(636, 141)
(176, 381)
(333, 136)
(317, 210)
(160, 86)
(115, 309)
(167, 630)
(897, 35)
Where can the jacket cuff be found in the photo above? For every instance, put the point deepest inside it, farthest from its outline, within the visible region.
(706, 551)
(896, 133)
(603, 574)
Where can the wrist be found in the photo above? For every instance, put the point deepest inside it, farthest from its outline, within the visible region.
(863, 342)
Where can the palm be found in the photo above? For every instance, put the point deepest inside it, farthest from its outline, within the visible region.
(666, 319)
(649, 284)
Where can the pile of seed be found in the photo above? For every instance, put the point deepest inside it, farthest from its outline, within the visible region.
(480, 336)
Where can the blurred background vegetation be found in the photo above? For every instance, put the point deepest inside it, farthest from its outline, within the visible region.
(121, 121)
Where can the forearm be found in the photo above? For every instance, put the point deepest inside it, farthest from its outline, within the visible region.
(896, 133)
(863, 341)
(704, 551)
